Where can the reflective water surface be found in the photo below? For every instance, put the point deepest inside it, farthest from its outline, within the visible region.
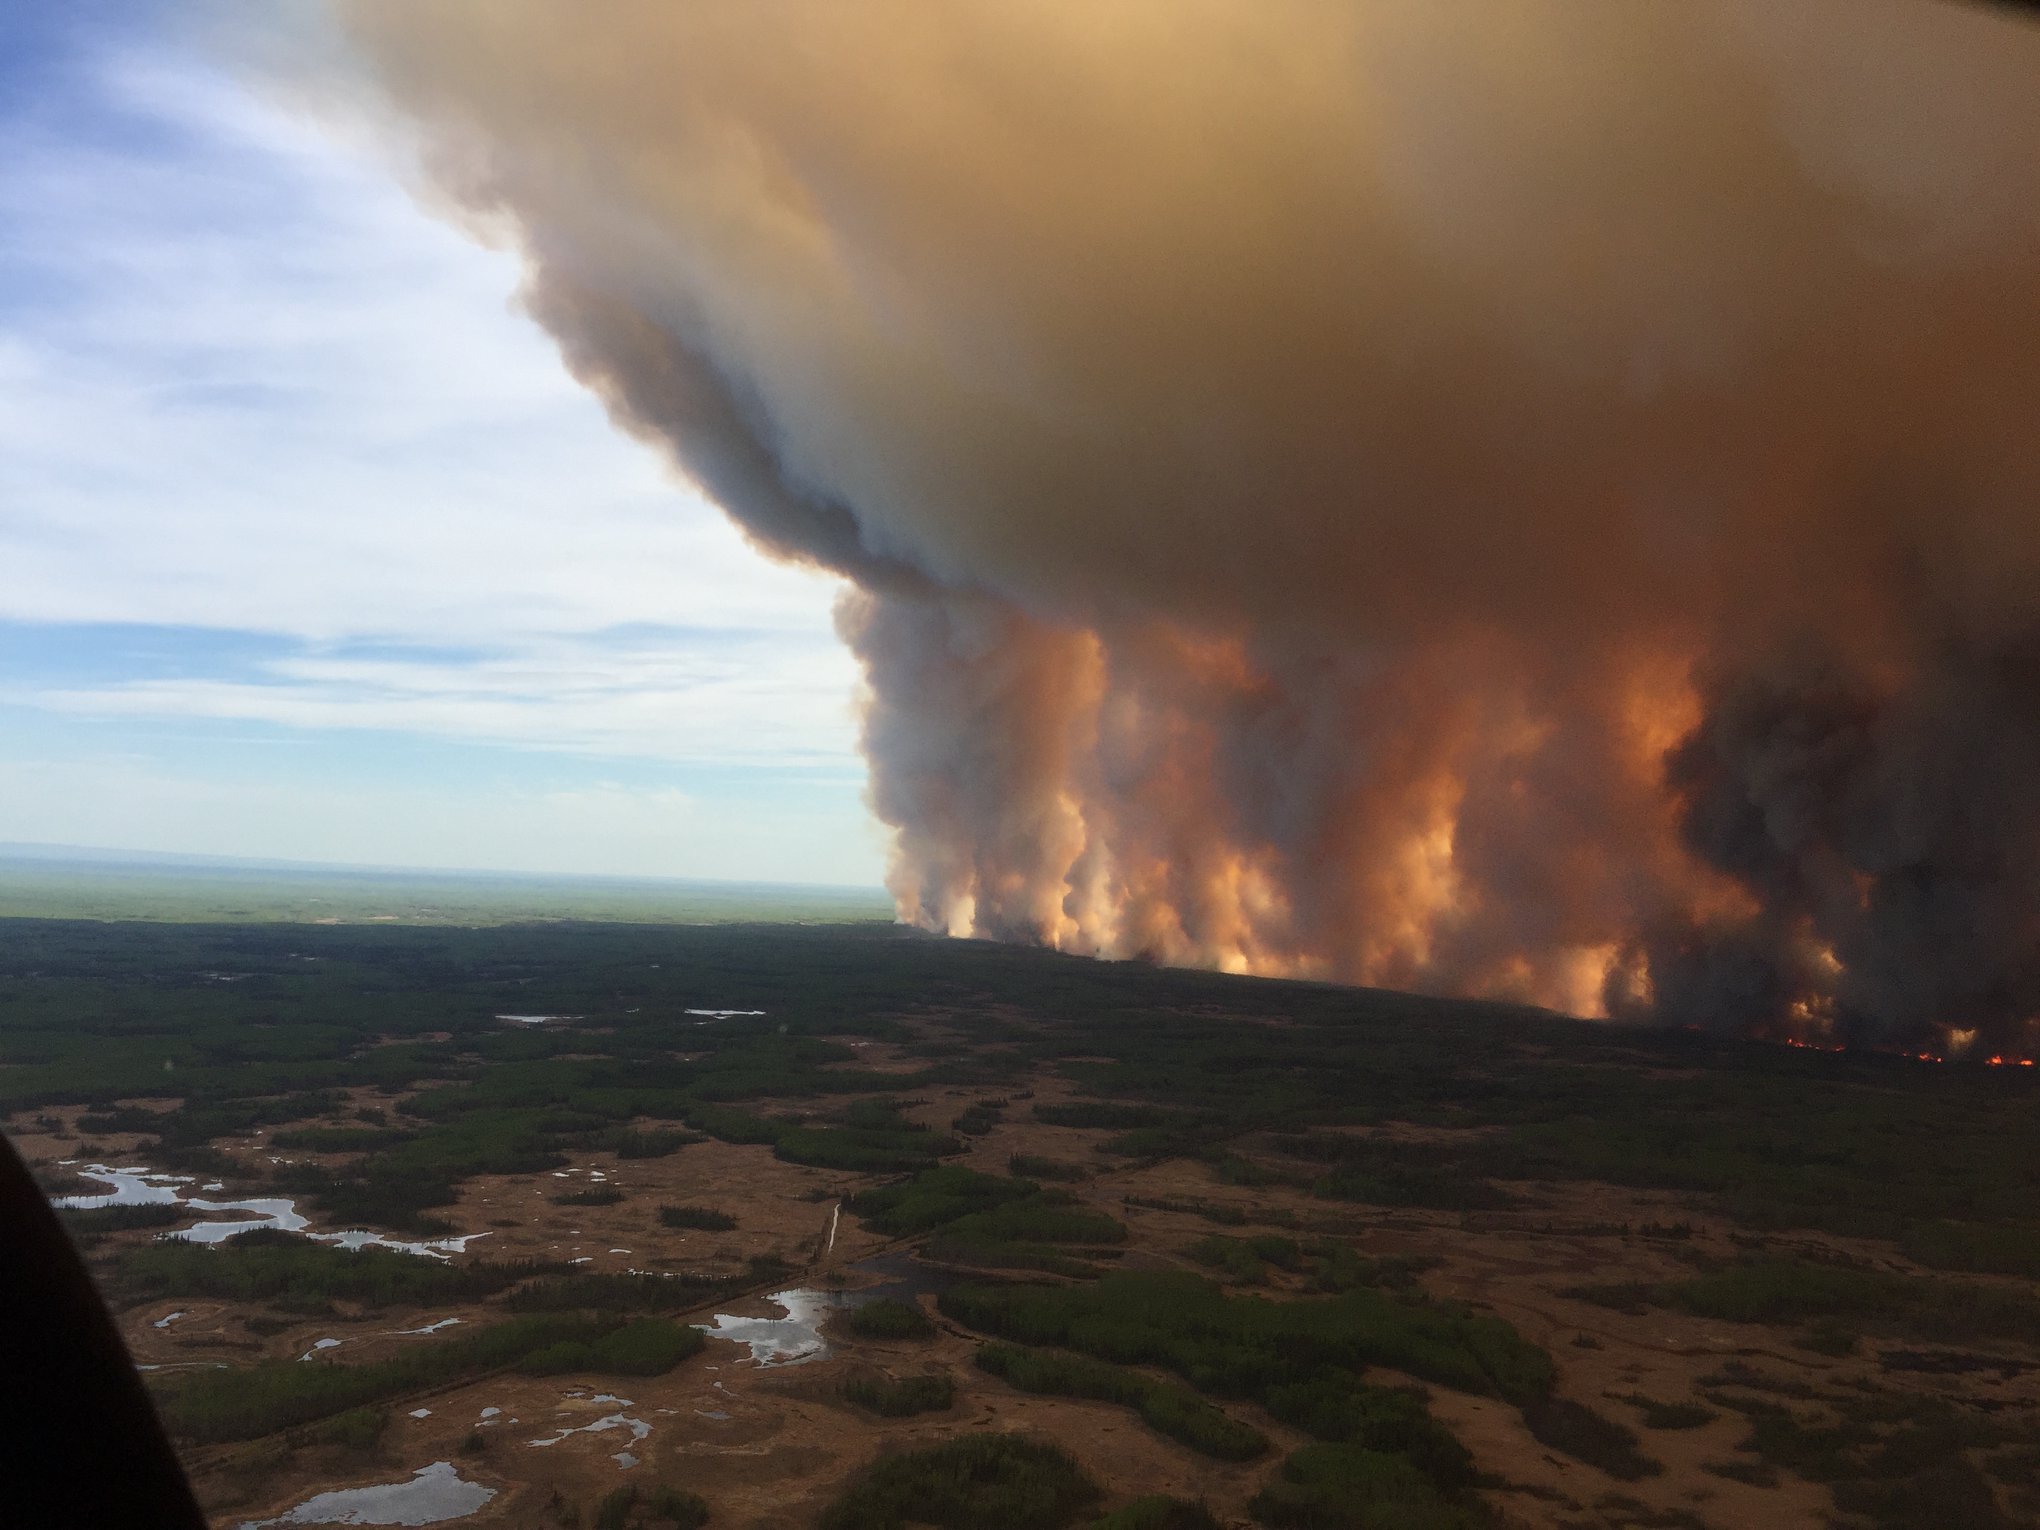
(433, 1495)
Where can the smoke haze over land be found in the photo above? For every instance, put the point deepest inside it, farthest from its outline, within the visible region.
(1538, 500)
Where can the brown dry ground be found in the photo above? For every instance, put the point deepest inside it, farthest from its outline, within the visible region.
(767, 1446)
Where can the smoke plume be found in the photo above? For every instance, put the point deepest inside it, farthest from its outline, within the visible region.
(1527, 499)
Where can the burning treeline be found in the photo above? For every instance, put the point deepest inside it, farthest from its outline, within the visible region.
(1533, 500)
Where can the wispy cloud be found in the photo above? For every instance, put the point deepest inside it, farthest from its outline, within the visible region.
(259, 407)
(714, 699)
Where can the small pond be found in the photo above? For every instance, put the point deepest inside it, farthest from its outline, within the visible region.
(432, 1495)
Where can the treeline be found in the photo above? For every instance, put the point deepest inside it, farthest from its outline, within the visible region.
(300, 1275)
(1302, 1360)
(603, 1292)
(1171, 1410)
(1006, 1481)
(1241, 1346)
(988, 1221)
(1326, 1264)
(1784, 1291)
(211, 1406)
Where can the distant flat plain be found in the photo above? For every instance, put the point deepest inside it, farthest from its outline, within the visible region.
(57, 882)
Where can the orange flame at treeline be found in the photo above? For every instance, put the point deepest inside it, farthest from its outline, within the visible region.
(1537, 505)
(1143, 828)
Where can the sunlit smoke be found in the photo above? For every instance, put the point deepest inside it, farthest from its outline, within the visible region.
(1533, 500)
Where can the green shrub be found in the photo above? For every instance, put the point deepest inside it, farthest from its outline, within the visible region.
(884, 1143)
(1755, 1473)
(628, 1506)
(977, 1120)
(699, 1217)
(671, 1506)
(1158, 1512)
(975, 1482)
(1328, 1487)
(356, 1429)
(1574, 1429)
(900, 1398)
(888, 1319)
(612, 1510)
(1170, 1410)
(1829, 1337)
(1032, 1166)
(643, 1347)
(935, 1197)
(1669, 1415)
(594, 1195)
(624, 1507)
(1339, 1408)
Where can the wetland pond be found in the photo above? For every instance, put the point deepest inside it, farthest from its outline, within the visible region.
(432, 1495)
(796, 1338)
(146, 1187)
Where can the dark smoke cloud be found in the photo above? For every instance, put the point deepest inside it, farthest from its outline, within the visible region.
(1531, 499)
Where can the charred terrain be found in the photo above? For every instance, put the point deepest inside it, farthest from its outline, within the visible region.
(850, 1226)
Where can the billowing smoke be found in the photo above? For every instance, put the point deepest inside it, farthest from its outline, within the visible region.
(1535, 499)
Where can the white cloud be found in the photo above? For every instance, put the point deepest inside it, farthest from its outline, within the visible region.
(247, 385)
(263, 390)
(704, 702)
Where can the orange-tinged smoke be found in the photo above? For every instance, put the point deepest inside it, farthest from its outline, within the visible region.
(1536, 500)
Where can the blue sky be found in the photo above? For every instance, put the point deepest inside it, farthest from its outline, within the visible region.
(309, 548)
